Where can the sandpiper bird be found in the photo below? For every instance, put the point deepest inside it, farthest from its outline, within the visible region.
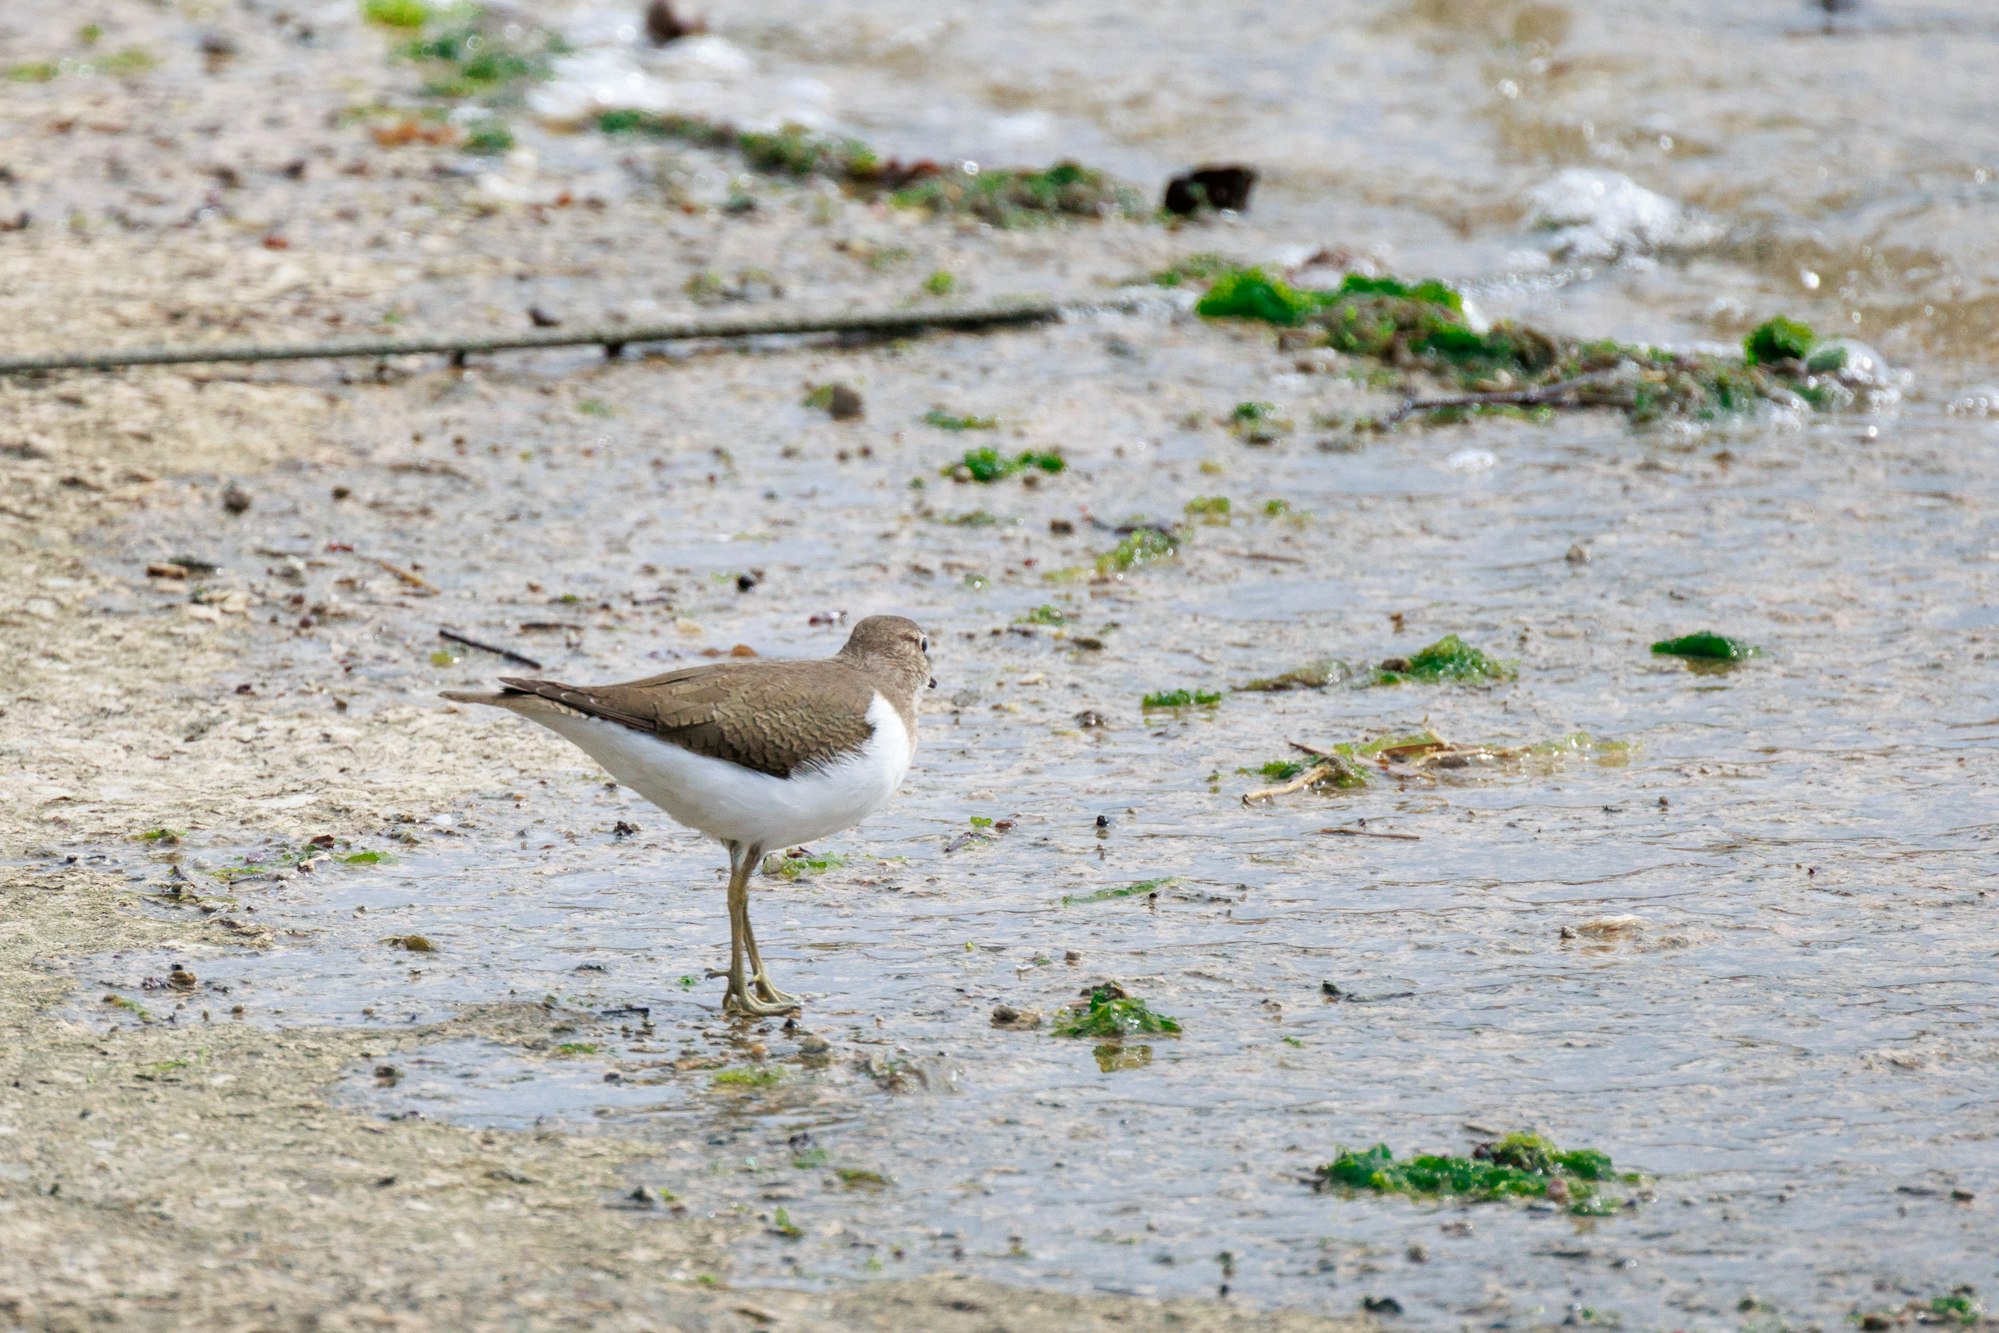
(755, 754)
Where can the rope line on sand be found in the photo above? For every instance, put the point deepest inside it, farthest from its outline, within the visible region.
(613, 339)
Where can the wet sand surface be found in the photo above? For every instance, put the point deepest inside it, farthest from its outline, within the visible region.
(1732, 927)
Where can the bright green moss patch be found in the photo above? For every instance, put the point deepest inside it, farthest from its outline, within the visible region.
(1779, 340)
(1140, 547)
(396, 13)
(1705, 646)
(940, 283)
(1045, 614)
(1144, 887)
(1430, 290)
(577, 1048)
(1449, 659)
(1182, 699)
(1108, 1012)
(756, 1076)
(986, 465)
(1251, 293)
(1520, 1166)
(1282, 770)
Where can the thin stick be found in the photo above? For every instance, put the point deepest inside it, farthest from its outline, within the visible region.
(1310, 749)
(1026, 311)
(1299, 783)
(414, 579)
(1347, 832)
(1546, 395)
(1261, 555)
(470, 642)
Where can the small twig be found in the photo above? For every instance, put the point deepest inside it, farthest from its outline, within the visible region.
(1545, 395)
(410, 577)
(470, 642)
(1262, 555)
(1031, 310)
(1347, 831)
(1299, 783)
(1310, 749)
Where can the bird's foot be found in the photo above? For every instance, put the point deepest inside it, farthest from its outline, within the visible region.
(771, 1002)
(771, 994)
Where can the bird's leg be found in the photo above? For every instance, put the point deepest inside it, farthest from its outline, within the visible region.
(758, 977)
(737, 998)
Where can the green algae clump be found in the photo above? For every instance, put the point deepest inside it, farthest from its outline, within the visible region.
(1519, 1166)
(1181, 699)
(1013, 197)
(1142, 546)
(943, 420)
(1779, 340)
(1706, 646)
(1448, 659)
(1109, 1012)
(1250, 293)
(1144, 887)
(1402, 329)
(987, 465)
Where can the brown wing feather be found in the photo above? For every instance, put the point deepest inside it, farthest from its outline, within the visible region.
(769, 716)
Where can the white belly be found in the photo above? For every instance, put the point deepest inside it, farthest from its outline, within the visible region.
(738, 804)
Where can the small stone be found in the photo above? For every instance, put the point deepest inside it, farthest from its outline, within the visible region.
(1578, 554)
(1006, 1016)
(235, 499)
(843, 403)
(663, 25)
(813, 1044)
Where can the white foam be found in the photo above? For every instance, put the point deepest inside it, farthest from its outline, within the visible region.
(1601, 215)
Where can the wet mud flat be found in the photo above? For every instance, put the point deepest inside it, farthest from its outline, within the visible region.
(324, 987)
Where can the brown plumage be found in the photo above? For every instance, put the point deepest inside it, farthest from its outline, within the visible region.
(772, 717)
(756, 714)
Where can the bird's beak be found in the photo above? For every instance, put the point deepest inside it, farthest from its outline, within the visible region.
(933, 682)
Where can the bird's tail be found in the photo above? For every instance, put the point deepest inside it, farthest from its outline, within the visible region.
(514, 701)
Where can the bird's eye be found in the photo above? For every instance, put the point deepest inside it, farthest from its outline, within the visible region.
(926, 643)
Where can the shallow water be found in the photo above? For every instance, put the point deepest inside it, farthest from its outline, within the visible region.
(1848, 166)
(1794, 1038)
